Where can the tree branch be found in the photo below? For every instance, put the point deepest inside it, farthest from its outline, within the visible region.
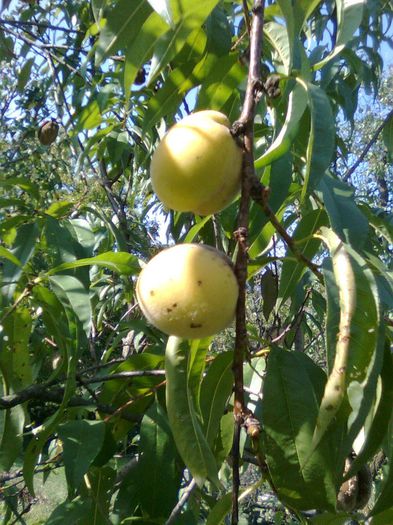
(366, 149)
(180, 504)
(244, 126)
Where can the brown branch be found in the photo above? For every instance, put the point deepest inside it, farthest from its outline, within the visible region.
(182, 501)
(260, 195)
(366, 149)
(244, 126)
(20, 23)
(124, 375)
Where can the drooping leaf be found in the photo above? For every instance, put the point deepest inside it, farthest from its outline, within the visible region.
(292, 389)
(23, 248)
(377, 429)
(216, 388)
(70, 511)
(387, 134)
(185, 426)
(101, 487)
(349, 17)
(142, 47)
(82, 440)
(321, 139)
(158, 475)
(344, 215)
(123, 22)
(71, 291)
(297, 104)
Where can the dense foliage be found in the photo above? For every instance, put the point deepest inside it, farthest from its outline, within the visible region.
(142, 425)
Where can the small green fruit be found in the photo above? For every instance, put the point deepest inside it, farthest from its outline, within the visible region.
(188, 290)
(197, 165)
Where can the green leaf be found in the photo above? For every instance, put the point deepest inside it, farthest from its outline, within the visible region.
(142, 48)
(297, 104)
(119, 262)
(123, 22)
(71, 291)
(70, 512)
(292, 270)
(384, 499)
(22, 183)
(382, 518)
(377, 429)
(303, 10)
(11, 445)
(6, 254)
(216, 388)
(277, 34)
(60, 209)
(82, 441)
(387, 135)
(23, 248)
(164, 9)
(71, 342)
(24, 75)
(101, 487)
(218, 86)
(321, 139)
(345, 217)
(349, 18)
(158, 475)
(332, 519)
(188, 16)
(219, 37)
(14, 357)
(362, 353)
(292, 389)
(186, 429)
(89, 116)
(224, 505)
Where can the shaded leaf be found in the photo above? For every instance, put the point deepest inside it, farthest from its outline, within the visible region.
(82, 441)
(345, 217)
(216, 388)
(187, 431)
(292, 389)
(158, 476)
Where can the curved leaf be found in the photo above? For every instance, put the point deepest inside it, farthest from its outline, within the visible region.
(297, 104)
(119, 262)
(216, 388)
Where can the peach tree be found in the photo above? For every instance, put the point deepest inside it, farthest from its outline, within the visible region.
(285, 415)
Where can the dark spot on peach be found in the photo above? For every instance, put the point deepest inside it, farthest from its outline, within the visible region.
(195, 325)
(337, 388)
(174, 305)
(169, 310)
(329, 407)
(152, 292)
(199, 283)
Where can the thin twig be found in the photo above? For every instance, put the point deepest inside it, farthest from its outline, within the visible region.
(124, 375)
(180, 504)
(366, 149)
(260, 195)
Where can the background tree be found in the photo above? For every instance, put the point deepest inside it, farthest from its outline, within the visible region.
(278, 403)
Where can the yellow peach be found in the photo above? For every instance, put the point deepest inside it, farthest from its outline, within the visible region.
(188, 290)
(197, 165)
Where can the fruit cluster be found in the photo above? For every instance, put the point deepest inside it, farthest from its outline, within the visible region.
(190, 290)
